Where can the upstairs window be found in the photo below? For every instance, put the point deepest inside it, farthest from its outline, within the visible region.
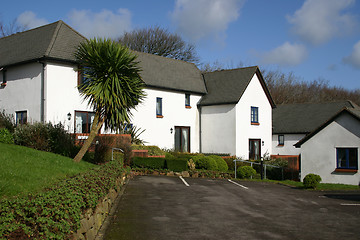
(347, 158)
(159, 107)
(21, 117)
(281, 140)
(187, 100)
(254, 115)
(83, 121)
(3, 77)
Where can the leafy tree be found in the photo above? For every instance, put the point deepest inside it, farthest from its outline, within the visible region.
(112, 84)
(158, 41)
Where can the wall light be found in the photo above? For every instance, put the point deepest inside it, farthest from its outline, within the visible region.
(171, 130)
(69, 116)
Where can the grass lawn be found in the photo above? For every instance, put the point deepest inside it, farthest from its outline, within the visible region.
(322, 186)
(24, 170)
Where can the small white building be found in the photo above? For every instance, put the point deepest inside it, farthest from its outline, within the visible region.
(292, 122)
(236, 114)
(332, 149)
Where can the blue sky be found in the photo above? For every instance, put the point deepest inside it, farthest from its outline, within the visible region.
(314, 39)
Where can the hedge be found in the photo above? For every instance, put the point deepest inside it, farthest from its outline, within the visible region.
(152, 163)
(176, 165)
(55, 212)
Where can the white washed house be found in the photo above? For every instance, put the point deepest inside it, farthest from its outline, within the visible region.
(332, 149)
(39, 79)
(236, 114)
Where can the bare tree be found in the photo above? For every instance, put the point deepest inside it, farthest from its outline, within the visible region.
(158, 41)
(10, 28)
(288, 88)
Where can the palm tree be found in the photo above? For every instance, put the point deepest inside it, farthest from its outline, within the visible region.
(111, 83)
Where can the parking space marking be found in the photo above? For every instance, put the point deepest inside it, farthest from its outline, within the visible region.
(350, 204)
(182, 179)
(237, 184)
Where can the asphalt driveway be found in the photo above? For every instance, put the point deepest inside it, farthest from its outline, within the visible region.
(165, 208)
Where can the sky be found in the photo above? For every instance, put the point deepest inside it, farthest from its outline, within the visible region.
(313, 39)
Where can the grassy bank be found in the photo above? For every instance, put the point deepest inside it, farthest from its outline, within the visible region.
(24, 170)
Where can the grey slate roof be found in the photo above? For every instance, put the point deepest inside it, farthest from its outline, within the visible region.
(53, 41)
(227, 86)
(353, 111)
(305, 117)
(170, 73)
(58, 41)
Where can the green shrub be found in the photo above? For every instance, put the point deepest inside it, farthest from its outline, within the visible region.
(45, 137)
(311, 180)
(176, 165)
(6, 136)
(204, 162)
(55, 213)
(7, 121)
(220, 163)
(152, 163)
(245, 172)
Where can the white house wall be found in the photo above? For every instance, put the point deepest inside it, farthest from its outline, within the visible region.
(23, 90)
(255, 96)
(288, 148)
(157, 130)
(318, 154)
(218, 124)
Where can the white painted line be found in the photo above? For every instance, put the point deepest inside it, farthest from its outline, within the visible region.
(237, 184)
(350, 204)
(182, 179)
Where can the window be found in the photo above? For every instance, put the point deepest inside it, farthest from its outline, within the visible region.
(255, 115)
(81, 76)
(21, 117)
(187, 100)
(159, 107)
(347, 158)
(281, 140)
(83, 121)
(3, 78)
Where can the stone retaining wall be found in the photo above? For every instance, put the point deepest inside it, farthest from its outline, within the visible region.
(92, 220)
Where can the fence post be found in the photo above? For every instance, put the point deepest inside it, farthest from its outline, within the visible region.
(235, 167)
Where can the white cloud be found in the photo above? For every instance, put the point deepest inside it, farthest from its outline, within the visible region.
(286, 54)
(29, 20)
(106, 23)
(354, 58)
(317, 21)
(197, 19)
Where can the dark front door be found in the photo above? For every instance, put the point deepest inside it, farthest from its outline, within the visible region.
(255, 149)
(182, 139)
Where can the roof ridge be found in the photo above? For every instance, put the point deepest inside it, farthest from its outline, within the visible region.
(55, 34)
(233, 69)
(171, 59)
(29, 30)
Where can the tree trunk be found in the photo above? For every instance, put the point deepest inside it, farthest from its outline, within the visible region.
(96, 125)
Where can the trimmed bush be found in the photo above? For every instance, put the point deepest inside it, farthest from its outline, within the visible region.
(220, 163)
(204, 162)
(311, 180)
(55, 213)
(152, 163)
(245, 172)
(6, 136)
(176, 165)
